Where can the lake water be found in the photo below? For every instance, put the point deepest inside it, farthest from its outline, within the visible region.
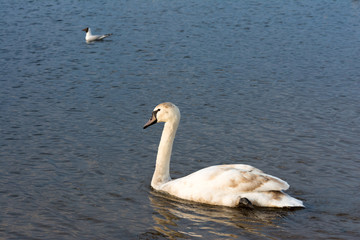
(273, 84)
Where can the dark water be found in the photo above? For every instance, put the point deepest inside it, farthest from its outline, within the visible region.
(274, 84)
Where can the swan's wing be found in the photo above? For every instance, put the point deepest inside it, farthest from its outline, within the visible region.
(224, 184)
(231, 178)
(244, 178)
(242, 167)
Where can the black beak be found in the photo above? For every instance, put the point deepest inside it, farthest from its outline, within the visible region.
(152, 120)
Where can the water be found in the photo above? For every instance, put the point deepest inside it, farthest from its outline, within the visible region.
(272, 84)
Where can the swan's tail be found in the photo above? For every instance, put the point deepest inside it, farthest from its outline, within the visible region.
(276, 199)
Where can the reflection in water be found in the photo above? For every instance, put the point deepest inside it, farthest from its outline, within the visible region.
(178, 218)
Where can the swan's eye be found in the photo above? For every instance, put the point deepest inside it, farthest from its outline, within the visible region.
(155, 112)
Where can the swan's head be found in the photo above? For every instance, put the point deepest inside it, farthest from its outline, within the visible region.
(164, 112)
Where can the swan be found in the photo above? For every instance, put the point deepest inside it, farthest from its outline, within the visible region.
(231, 185)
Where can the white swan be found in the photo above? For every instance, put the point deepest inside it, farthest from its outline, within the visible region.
(227, 185)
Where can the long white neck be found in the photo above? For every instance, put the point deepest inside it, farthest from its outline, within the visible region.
(162, 168)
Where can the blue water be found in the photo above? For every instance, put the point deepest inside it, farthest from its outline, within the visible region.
(274, 84)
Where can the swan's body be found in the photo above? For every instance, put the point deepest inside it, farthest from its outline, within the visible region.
(90, 38)
(226, 185)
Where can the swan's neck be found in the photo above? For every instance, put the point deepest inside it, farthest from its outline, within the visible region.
(162, 168)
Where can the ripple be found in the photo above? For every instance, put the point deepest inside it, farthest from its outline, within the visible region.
(274, 86)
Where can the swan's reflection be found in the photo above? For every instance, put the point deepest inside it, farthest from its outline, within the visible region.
(176, 218)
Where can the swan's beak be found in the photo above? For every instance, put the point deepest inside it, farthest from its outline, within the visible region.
(152, 120)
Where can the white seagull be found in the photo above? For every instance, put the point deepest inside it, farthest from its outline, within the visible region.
(231, 185)
(89, 37)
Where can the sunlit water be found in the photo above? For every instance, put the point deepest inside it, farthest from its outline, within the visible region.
(274, 84)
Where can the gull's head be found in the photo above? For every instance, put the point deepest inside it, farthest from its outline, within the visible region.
(85, 29)
(164, 112)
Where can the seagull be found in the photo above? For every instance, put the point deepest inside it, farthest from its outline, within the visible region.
(89, 37)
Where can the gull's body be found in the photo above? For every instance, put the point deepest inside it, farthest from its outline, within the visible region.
(227, 185)
(90, 38)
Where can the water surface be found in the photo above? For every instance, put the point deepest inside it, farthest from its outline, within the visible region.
(272, 84)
